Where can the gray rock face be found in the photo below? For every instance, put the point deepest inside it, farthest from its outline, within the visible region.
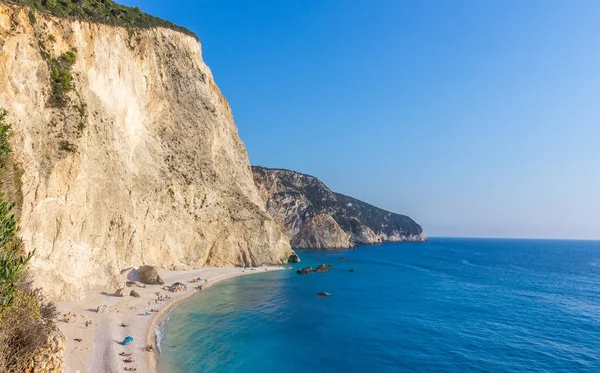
(314, 217)
(149, 275)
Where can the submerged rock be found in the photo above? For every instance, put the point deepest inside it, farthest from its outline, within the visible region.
(304, 271)
(323, 268)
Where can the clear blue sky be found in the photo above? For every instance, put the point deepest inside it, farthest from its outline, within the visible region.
(476, 118)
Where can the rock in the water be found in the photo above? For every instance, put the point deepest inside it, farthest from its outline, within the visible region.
(119, 292)
(352, 270)
(134, 294)
(149, 275)
(323, 294)
(294, 258)
(323, 268)
(304, 271)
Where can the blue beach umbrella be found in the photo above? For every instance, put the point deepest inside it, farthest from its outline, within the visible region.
(126, 341)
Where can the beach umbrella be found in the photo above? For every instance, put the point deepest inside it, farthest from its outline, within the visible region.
(127, 340)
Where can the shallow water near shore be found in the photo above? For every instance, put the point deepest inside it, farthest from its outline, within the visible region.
(451, 305)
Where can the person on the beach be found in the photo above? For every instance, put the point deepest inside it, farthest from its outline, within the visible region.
(87, 323)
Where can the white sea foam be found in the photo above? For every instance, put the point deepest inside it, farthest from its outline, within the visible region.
(159, 330)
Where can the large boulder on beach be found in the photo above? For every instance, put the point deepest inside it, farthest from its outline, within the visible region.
(102, 309)
(134, 294)
(119, 292)
(149, 275)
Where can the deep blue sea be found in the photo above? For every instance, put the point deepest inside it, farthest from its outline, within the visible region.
(448, 305)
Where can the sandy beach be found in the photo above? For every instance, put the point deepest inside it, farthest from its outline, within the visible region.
(98, 350)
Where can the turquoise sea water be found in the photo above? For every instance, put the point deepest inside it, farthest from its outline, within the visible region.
(449, 305)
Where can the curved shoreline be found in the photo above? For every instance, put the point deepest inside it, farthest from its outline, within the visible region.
(161, 317)
(95, 348)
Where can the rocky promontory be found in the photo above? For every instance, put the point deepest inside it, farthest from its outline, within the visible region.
(314, 217)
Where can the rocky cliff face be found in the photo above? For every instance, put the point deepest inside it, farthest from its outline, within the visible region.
(314, 217)
(127, 154)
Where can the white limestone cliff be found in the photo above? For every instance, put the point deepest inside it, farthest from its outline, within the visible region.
(143, 165)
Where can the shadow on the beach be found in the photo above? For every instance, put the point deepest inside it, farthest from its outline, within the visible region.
(94, 310)
(109, 295)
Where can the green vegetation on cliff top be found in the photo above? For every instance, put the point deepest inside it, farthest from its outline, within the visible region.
(100, 11)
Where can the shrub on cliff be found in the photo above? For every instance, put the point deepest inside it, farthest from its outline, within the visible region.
(100, 11)
(25, 317)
